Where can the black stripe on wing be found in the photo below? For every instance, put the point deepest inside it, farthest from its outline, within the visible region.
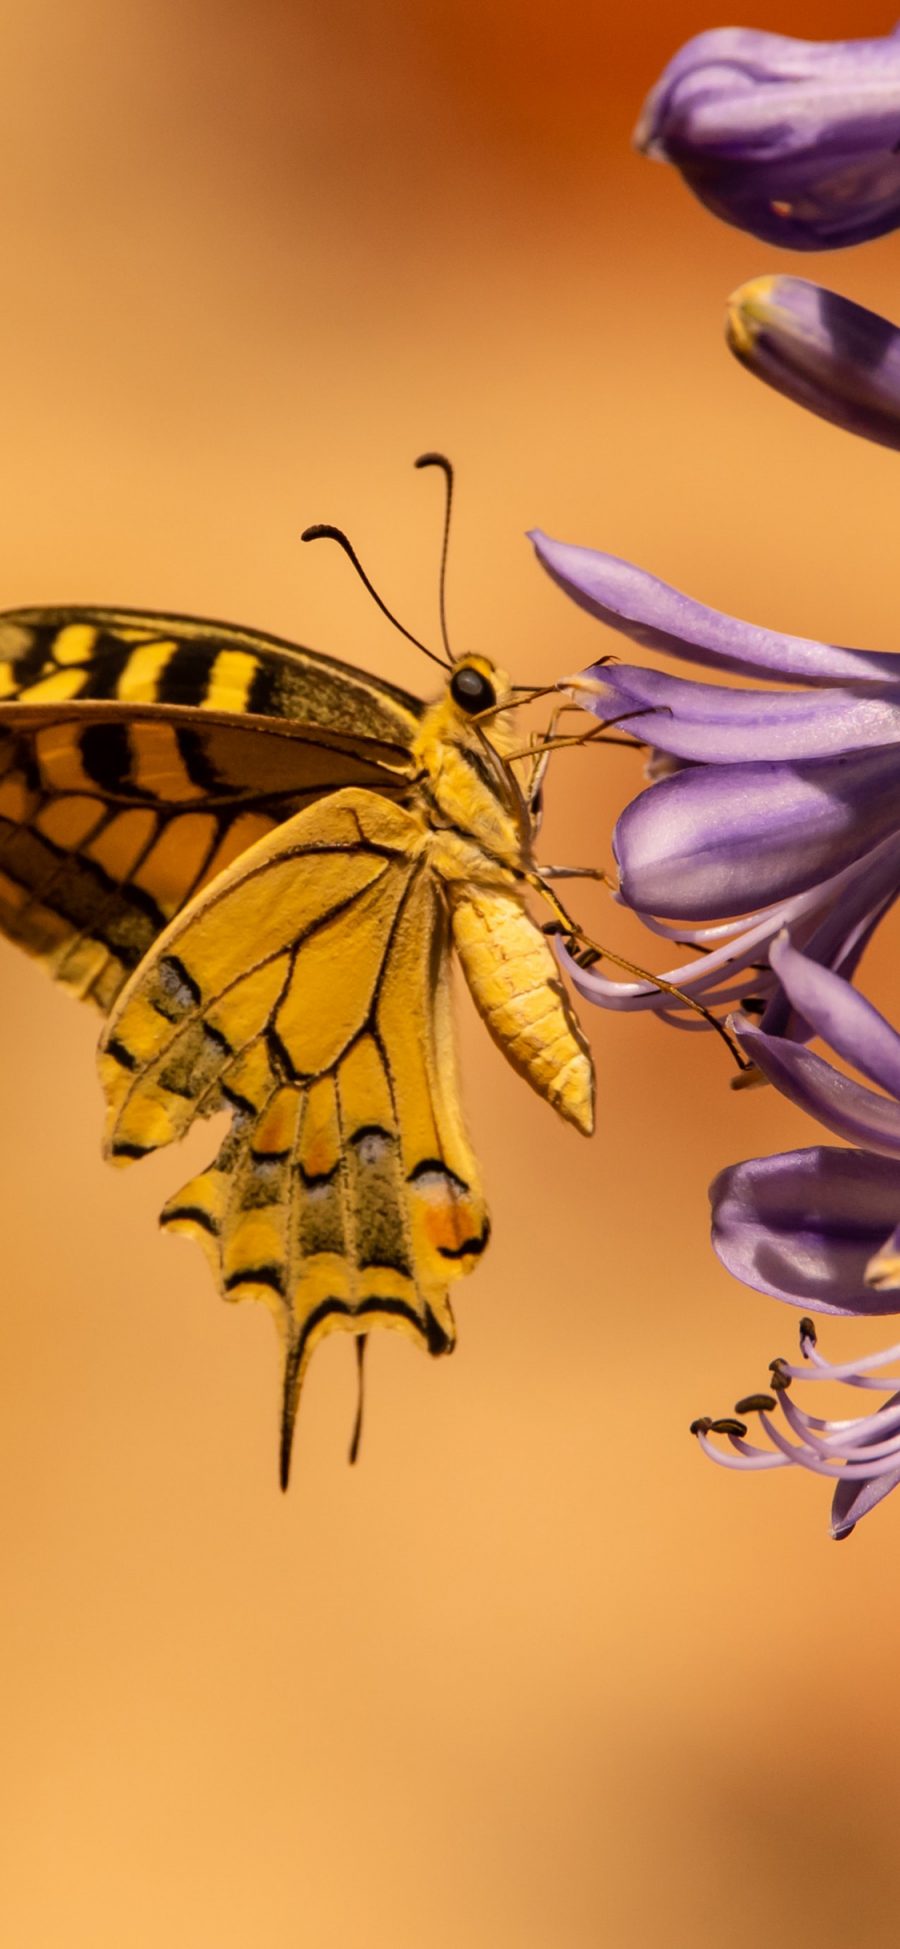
(139, 656)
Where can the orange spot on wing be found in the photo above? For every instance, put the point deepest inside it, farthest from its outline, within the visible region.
(319, 1158)
(447, 1226)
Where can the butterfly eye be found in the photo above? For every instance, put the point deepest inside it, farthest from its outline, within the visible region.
(471, 691)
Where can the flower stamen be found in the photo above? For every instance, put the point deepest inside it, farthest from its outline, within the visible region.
(863, 1449)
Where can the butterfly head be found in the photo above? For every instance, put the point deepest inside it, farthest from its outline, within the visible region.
(462, 754)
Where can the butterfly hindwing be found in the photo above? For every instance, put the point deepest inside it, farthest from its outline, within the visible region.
(308, 990)
(129, 779)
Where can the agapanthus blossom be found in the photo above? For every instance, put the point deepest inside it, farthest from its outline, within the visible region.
(820, 1228)
(795, 141)
(782, 807)
(860, 1453)
(822, 351)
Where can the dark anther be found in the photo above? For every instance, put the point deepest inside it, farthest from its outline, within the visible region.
(808, 1334)
(586, 957)
(702, 1425)
(781, 1379)
(555, 927)
(753, 1005)
(750, 1076)
(754, 1404)
(727, 1425)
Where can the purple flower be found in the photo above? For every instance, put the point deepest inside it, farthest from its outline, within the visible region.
(816, 1227)
(856, 1032)
(819, 1228)
(821, 351)
(781, 807)
(795, 141)
(861, 1453)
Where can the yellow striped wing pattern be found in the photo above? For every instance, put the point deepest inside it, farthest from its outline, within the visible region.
(141, 754)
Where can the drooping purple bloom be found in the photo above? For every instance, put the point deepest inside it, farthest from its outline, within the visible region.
(795, 141)
(859, 1453)
(856, 1032)
(810, 1226)
(820, 1228)
(782, 807)
(823, 352)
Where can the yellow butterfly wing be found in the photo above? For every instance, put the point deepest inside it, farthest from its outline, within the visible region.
(140, 755)
(138, 656)
(308, 988)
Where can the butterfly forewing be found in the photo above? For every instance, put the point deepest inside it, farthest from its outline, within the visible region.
(308, 989)
(129, 779)
(53, 655)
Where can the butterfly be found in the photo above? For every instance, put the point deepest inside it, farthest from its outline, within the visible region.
(256, 860)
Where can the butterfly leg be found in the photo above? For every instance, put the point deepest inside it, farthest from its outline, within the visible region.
(586, 952)
(540, 761)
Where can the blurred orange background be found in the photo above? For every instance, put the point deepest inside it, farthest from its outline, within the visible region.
(532, 1673)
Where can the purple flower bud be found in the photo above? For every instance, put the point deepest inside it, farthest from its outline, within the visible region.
(821, 351)
(795, 141)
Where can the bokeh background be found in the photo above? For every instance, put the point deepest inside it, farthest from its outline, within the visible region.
(532, 1673)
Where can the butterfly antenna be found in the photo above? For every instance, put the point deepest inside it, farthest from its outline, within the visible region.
(361, 1344)
(324, 529)
(440, 460)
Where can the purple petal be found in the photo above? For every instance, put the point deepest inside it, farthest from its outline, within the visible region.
(718, 90)
(717, 977)
(661, 618)
(832, 921)
(841, 1016)
(883, 1269)
(833, 357)
(849, 1109)
(804, 1225)
(718, 840)
(853, 1500)
(803, 203)
(843, 925)
(792, 140)
(707, 723)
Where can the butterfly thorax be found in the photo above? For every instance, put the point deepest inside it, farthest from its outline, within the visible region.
(464, 779)
(478, 844)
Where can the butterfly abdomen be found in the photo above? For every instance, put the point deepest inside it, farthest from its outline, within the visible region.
(516, 988)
